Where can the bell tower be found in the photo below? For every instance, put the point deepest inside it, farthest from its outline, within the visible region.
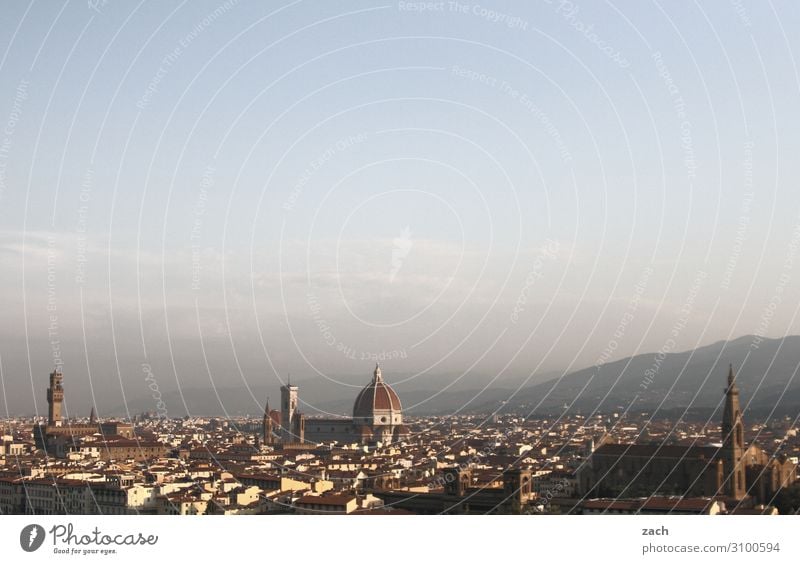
(516, 488)
(289, 413)
(457, 480)
(733, 441)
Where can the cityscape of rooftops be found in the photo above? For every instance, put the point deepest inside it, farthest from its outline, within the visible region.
(409, 258)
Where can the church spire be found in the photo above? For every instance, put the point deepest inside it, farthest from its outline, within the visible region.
(376, 376)
(733, 440)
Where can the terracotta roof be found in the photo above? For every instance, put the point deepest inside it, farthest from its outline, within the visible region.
(275, 415)
(661, 451)
(377, 395)
(256, 476)
(339, 500)
(677, 504)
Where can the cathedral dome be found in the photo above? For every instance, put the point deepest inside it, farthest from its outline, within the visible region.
(377, 402)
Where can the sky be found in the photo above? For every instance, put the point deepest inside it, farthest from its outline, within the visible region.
(224, 193)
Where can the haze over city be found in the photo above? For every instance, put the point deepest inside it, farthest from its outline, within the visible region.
(417, 258)
(231, 193)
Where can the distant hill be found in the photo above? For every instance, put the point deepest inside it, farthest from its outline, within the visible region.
(767, 375)
(766, 369)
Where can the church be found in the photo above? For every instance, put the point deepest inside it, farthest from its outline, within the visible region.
(732, 470)
(377, 419)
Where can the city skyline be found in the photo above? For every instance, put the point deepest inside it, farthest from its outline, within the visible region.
(408, 258)
(264, 467)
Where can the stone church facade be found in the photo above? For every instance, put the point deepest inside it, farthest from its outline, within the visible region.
(730, 470)
(377, 418)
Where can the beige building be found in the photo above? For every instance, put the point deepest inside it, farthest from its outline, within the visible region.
(326, 504)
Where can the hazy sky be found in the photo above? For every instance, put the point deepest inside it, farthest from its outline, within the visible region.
(227, 192)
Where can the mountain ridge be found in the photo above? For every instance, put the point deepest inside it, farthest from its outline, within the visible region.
(693, 379)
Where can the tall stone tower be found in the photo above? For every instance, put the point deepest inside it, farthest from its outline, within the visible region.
(289, 413)
(516, 488)
(266, 425)
(457, 479)
(55, 395)
(733, 441)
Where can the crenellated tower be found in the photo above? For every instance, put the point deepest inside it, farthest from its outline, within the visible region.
(55, 397)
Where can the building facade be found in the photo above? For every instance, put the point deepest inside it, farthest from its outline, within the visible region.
(377, 417)
(55, 397)
(730, 470)
(59, 436)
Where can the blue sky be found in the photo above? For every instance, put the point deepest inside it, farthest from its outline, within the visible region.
(201, 174)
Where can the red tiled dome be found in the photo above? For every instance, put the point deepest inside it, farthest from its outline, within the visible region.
(377, 395)
(275, 415)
